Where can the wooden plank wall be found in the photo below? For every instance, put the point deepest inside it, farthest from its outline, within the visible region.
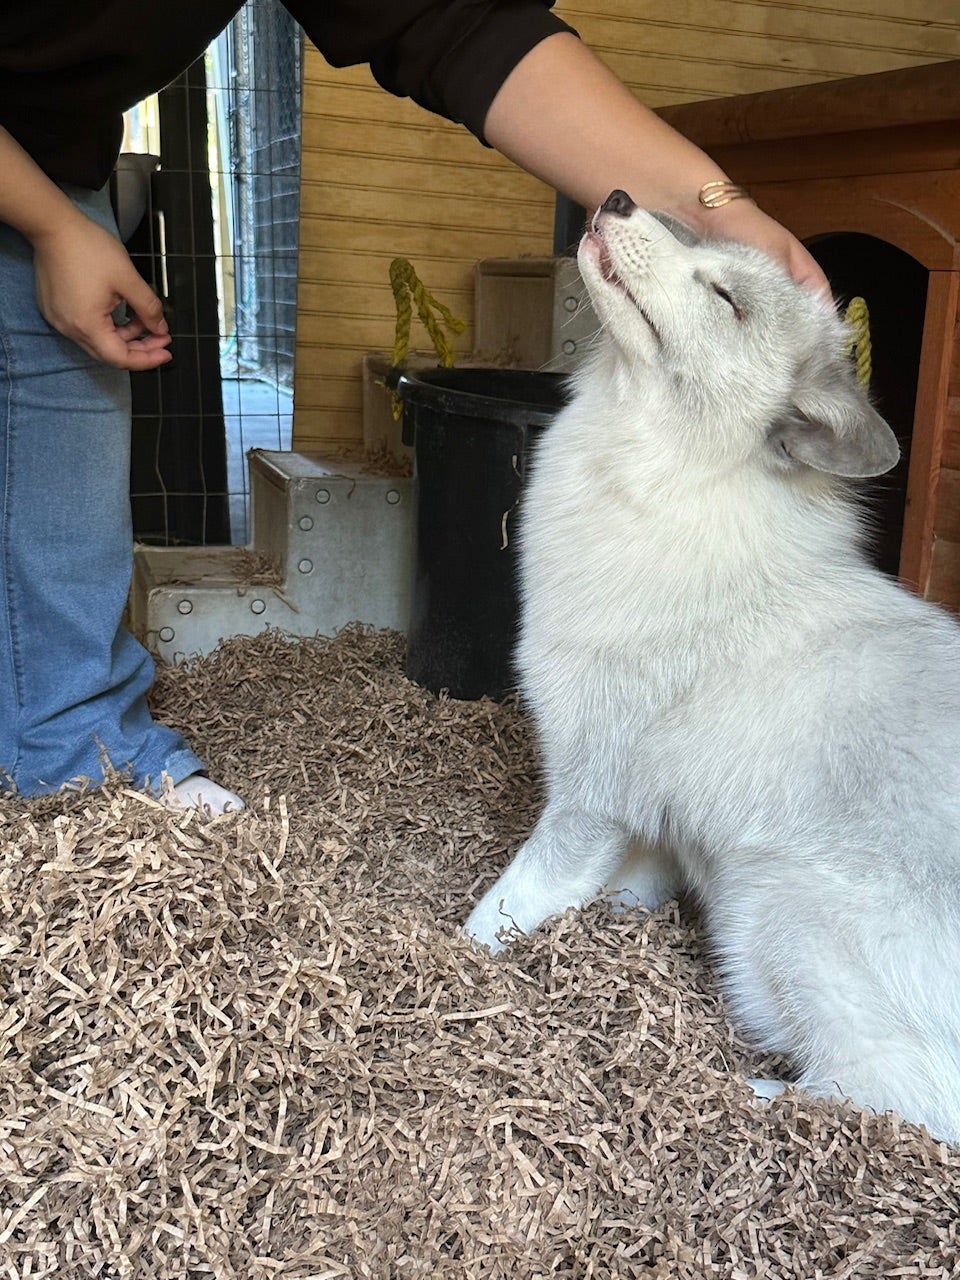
(943, 584)
(382, 178)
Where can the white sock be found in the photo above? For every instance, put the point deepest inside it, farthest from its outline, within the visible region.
(198, 792)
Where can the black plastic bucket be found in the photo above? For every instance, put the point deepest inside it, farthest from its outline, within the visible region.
(473, 432)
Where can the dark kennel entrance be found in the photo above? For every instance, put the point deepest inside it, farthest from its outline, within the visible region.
(894, 286)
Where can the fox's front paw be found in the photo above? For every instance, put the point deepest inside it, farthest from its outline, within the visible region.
(766, 1089)
(485, 921)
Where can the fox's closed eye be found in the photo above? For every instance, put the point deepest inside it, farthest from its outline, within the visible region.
(727, 297)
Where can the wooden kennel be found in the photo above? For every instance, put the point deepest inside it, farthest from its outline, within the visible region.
(866, 171)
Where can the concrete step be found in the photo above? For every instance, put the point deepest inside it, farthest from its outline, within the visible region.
(331, 543)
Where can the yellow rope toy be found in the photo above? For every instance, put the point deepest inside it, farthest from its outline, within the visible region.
(408, 289)
(857, 318)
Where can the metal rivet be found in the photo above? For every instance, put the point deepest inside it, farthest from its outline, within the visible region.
(257, 606)
(185, 606)
(166, 634)
(306, 522)
(322, 495)
(305, 566)
(569, 347)
(571, 304)
(393, 497)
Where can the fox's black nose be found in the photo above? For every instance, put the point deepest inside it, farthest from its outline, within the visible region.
(618, 202)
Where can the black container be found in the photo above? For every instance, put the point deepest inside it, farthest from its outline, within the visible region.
(473, 432)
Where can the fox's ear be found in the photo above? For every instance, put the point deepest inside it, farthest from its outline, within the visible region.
(838, 432)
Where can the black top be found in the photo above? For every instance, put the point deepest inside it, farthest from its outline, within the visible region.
(70, 68)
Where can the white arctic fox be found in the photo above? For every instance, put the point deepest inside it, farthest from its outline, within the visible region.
(729, 697)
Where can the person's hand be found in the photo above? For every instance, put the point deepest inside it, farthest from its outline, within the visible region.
(83, 273)
(742, 220)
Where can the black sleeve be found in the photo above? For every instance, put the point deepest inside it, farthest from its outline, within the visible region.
(450, 56)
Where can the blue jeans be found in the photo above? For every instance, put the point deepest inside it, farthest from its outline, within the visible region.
(72, 680)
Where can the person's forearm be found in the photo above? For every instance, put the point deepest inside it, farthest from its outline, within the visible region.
(29, 200)
(538, 120)
(565, 117)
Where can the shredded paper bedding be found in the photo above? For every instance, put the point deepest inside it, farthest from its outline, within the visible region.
(255, 1046)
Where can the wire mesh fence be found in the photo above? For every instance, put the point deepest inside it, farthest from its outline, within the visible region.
(218, 241)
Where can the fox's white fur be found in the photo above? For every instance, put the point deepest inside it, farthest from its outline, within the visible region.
(729, 698)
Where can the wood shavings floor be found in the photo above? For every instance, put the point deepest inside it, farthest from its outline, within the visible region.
(255, 1047)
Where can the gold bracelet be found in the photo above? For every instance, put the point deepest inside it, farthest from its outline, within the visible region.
(714, 195)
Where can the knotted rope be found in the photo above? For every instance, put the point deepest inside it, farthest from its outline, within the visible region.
(408, 289)
(857, 318)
